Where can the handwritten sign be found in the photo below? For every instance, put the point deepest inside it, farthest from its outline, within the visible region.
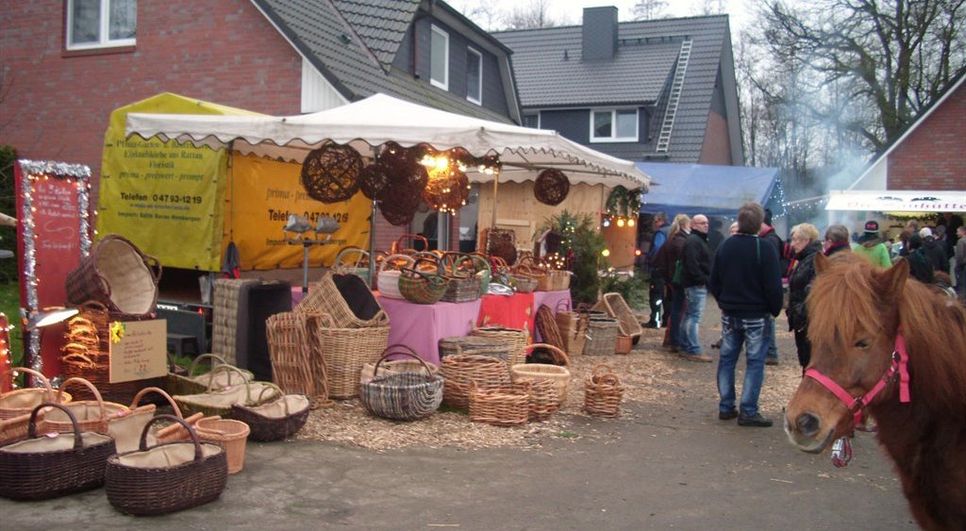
(138, 350)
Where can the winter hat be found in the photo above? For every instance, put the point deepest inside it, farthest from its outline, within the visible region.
(925, 232)
(871, 231)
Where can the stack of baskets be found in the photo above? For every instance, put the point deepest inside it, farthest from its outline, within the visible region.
(603, 392)
(343, 340)
(514, 339)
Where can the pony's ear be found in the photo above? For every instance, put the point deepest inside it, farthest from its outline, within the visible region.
(893, 279)
(821, 263)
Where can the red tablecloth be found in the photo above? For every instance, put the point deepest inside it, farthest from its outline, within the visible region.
(421, 326)
(511, 311)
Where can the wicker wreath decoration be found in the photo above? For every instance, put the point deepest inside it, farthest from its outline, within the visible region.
(551, 187)
(373, 181)
(447, 190)
(331, 173)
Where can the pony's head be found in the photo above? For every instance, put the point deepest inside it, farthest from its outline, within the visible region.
(853, 318)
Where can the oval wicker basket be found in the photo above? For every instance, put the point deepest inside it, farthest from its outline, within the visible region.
(515, 340)
(117, 274)
(21, 402)
(460, 371)
(500, 406)
(476, 345)
(91, 415)
(537, 371)
(402, 395)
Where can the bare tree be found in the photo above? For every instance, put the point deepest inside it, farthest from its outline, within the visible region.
(649, 9)
(893, 57)
(710, 7)
(534, 14)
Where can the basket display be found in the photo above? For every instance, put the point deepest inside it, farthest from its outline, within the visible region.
(296, 362)
(477, 345)
(461, 271)
(603, 392)
(345, 351)
(165, 478)
(218, 403)
(89, 415)
(515, 340)
(460, 371)
(49, 466)
(618, 308)
(352, 260)
(21, 402)
(325, 297)
(500, 406)
(543, 371)
(422, 287)
(389, 271)
(602, 335)
(572, 327)
(230, 435)
(402, 395)
(117, 274)
(276, 420)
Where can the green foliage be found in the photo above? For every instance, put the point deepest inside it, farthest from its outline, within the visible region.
(8, 205)
(624, 202)
(582, 244)
(10, 305)
(632, 288)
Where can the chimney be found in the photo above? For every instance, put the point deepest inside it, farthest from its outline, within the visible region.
(599, 33)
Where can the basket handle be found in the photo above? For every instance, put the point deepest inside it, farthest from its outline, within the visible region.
(363, 255)
(32, 426)
(601, 369)
(35, 374)
(269, 386)
(85, 359)
(401, 240)
(143, 445)
(391, 259)
(214, 358)
(154, 266)
(567, 306)
(159, 391)
(222, 368)
(411, 353)
(89, 385)
(558, 353)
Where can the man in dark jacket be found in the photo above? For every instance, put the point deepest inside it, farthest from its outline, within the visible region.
(767, 234)
(934, 251)
(696, 262)
(746, 280)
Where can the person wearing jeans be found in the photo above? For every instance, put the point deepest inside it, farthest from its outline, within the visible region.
(746, 280)
(696, 262)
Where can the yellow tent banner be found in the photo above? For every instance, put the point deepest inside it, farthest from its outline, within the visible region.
(262, 194)
(165, 197)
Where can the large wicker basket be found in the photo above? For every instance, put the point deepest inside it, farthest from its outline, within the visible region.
(168, 477)
(603, 392)
(344, 351)
(117, 274)
(21, 402)
(507, 405)
(325, 297)
(461, 271)
(618, 308)
(572, 327)
(543, 371)
(402, 395)
(420, 285)
(463, 370)
(515, 340)
(276, 420)
(297, 365)
(386, 367)
(89, 415)
(601, 336)
(476, 345)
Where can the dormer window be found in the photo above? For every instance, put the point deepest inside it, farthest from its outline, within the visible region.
(439, 58)
(101, 23)
(613, 125)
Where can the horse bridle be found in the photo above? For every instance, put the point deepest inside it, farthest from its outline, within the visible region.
(856, 404)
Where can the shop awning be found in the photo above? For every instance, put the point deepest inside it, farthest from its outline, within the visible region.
(898, 200)
(705, 188)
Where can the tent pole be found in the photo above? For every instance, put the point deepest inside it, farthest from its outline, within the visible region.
(496, 180)
(442, 230)
(372, 233)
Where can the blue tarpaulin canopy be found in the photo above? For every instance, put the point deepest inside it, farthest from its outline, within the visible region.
(704, 188)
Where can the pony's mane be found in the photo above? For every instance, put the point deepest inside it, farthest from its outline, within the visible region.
(843, 302)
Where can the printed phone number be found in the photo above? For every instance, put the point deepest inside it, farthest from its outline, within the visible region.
(180, 199)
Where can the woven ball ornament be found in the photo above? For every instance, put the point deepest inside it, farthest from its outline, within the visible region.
(447, 191)
(373, 181)
(331, 173)
(551, 187)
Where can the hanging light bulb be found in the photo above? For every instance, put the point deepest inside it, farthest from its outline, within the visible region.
(631, 222)
(606, 222)
(637, 252)
(605, 253)
(620, 222)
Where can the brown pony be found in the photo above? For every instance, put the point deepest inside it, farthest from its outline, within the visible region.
(856, 312)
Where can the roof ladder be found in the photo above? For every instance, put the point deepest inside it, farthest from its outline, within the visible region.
(664, 139)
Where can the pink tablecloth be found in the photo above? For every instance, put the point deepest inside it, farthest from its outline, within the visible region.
(421, 326)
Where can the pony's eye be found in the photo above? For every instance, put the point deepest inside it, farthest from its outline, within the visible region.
(862, 343)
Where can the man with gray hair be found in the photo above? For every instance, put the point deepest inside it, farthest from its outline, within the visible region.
(746, 280)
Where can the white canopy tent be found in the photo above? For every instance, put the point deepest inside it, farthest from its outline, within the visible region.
(897, 200)
(379, 119)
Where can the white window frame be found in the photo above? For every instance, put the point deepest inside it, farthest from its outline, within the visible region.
(105, 30)
(445, 83)
(531, 113)
(479, 77)
(613, 122)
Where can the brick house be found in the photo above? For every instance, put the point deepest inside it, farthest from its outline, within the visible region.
(64, 66)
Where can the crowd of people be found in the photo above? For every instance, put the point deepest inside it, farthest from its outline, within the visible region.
(744, 273)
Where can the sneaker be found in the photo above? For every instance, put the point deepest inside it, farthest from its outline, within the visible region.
(771, 361)
(717, 344)
(727, 415)
(757, 421)
(696, 357)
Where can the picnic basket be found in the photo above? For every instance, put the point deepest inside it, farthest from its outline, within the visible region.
(218, 377)
(507, 405)
(344, 351)
(218, 403)
(125, 426)
(117, 274)
(515, 340)
(537, 371)
(275, 420)
(603, 392)
(88, 415)
(390, 268)
(618, 308)
(48, 466)
(420, 285)
(402, 395)
(325, 296)
(19, 402)
(460, 371)
(230, 434)
(166, 477)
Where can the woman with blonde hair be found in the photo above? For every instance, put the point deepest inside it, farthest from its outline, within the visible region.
(806, 245)
(666, 263)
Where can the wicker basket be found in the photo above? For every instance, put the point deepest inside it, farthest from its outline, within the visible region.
(559, 279)
(476, 345)
(618, 308)
(420, 285)
(461, 272)
(296, 362)
(125, 427)
(544, 400)
(573, 328)
(515, 340)
(546, 325)
(274, 420)
(89, 415)
(403, 395)
(230, 435)
(463, 370)
(325, 297)
(21, 402)
(537, 371)
(219, 403)
(601, 336)
(624, 344)
(219, 377)
(16, 428)
(344, 351)
(389, 272)
(168, 477)
(370, 371)
(484, 271)
(359, 266)
(45, 467)
(400, 246)
(603, 393)
(526, 278)
(117, 274)
(500, 406)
